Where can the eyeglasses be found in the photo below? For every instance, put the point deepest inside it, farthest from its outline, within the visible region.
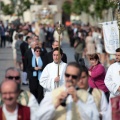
(73, 76)
(13, 77)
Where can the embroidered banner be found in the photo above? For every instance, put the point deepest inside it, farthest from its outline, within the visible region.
(111, 36)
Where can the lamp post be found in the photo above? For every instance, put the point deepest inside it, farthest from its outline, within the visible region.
(118, 15)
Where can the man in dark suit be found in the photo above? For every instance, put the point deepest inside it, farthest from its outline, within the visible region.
(48, 58)
(24, 47)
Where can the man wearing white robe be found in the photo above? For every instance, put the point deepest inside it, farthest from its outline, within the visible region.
(98, 95)
(49, 77)
(78, 106)
(112, 78)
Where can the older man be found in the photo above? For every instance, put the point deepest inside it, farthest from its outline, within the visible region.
(11, 110)
(79, 104)
(112, 78)
(25, 97)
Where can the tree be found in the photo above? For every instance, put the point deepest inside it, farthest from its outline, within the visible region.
(17, 7)
(99, 6)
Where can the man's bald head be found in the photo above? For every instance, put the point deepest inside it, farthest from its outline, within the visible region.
(9, 84)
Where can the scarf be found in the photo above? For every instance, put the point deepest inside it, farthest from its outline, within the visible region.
(40, 63)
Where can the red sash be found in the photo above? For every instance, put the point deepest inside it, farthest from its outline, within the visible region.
(23, 113)
(115, 105)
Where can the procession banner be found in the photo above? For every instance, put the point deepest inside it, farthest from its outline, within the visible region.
(111, 36)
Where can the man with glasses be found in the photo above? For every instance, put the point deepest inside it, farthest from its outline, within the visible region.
(25, 97)
(79, 104)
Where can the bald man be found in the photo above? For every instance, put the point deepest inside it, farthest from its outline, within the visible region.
(11, 110)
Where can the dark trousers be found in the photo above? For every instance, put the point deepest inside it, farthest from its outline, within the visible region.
(35, 88)
(107, 94)
(3, 41)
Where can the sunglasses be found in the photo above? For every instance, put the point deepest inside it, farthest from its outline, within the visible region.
(13, 77)
(73, 76)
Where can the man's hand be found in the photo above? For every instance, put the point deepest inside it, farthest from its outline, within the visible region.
(36, 68)
(72, 91)
(61, 97)
(57, 79)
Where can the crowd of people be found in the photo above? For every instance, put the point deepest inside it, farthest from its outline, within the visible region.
(58, 90)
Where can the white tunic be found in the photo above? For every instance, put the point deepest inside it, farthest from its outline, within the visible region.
(50, 73)
(88, 110)
(112, 79)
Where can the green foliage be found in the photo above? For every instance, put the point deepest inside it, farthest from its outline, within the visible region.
(67, 7)
(15, 8)
(7, 9)
(100, 6)
(80, 6)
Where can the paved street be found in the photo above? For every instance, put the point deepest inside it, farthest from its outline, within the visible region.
(6, 57)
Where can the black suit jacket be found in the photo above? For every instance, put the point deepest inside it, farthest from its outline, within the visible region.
(48, 58)
(28, 59)
(23, 48)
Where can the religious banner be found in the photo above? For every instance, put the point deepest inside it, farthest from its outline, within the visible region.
(111, 36)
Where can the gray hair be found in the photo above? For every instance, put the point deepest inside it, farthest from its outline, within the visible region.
(32, 42)
(13, 69)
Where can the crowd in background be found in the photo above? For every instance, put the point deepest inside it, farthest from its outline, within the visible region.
(29, 42)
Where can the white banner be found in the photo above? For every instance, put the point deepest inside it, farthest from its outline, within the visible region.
(111, 36)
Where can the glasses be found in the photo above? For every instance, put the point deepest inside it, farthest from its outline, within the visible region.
(73, 76)
(13, 77)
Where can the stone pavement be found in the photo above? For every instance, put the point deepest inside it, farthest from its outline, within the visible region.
(6, 58)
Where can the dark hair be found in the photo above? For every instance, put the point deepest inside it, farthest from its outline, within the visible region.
(20, 36)
(57, 49)
(75, 64)
(54, 41)
(83, 68)
(118, 50)
(95, 57)
(36, 48)
(28, 37)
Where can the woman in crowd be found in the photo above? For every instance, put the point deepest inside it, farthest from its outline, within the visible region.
(36, 68)
(97, 74)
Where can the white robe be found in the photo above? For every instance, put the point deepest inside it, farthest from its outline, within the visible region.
(88, 110)
(103, 105)
(112, 79)
(49, 74)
